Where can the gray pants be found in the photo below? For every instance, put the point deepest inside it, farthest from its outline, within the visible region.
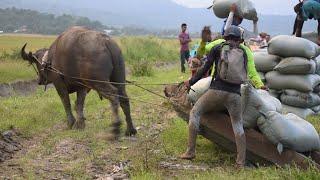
(184, 56)
(215, 100)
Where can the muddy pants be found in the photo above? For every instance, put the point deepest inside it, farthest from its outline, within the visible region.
(216, 100)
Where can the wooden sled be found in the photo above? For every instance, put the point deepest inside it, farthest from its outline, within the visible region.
(217, 128)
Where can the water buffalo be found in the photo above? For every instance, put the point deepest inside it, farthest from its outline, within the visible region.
(77, 57)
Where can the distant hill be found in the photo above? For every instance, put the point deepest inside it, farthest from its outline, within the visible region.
(151, 14)
(29, 21)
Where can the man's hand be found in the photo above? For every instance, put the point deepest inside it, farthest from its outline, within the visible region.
(187, 83)
(233, 8)
(264, 88)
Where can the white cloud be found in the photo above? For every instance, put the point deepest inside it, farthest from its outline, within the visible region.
(283, 7)
(194, 3)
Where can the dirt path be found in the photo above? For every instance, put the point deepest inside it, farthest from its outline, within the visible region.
(45, 157)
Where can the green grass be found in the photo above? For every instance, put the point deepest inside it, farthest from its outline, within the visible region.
(135, 50)
(42, 121)
(14, 70)
(42, 115)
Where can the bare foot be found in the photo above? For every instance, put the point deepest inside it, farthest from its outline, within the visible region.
(187, 156)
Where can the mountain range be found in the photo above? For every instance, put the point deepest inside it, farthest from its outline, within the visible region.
(150, 14)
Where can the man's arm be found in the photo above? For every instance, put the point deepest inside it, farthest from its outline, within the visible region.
(201, 72)
(252, 71)
(229, 20)
(255, 27)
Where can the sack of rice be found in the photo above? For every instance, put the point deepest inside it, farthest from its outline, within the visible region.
(299, 99)
(290, 46)
(311, 36)
(317, 89)
(289, 131)
(254, 101)
(275, 93)
(301, 112)
(296, 65)
(303, 83)
(198, 89)
(265, 62)
(245, 8)
(317, 61)
(316, 109)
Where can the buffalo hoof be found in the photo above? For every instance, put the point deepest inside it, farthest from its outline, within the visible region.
(187, 156)
(113, 137)
(131, 132)
(71, 124)
(79, 125)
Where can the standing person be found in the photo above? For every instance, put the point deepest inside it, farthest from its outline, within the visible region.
(224, 91)
(306, 9)
(184, 39)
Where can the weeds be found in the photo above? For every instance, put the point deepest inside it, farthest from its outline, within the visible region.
(142, 68)
(13, 54)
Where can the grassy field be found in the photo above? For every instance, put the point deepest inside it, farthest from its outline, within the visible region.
(53, 152)
(135, 50)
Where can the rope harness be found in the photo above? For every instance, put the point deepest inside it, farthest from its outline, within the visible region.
(46, 67)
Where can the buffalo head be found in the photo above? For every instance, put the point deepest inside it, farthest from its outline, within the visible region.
(37, 58)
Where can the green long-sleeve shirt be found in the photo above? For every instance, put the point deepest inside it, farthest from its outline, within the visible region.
(252, 72)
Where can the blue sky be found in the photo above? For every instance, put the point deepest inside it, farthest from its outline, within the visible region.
(282, 7)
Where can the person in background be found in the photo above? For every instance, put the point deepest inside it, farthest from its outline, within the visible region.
(199, 58)
(184, 39)
(261, 40)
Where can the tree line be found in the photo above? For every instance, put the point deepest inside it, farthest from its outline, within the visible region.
(13, 19)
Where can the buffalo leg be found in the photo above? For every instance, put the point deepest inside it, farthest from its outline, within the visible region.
(125, 105)
(79, 104)
(64, 95)
(110, 92)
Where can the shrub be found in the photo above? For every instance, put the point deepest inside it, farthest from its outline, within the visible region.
(142, 67)
(14, 54)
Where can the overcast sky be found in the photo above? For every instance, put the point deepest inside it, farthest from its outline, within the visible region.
(283, 7)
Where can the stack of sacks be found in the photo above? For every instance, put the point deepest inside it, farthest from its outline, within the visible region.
(259, 109)
(290, 69)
